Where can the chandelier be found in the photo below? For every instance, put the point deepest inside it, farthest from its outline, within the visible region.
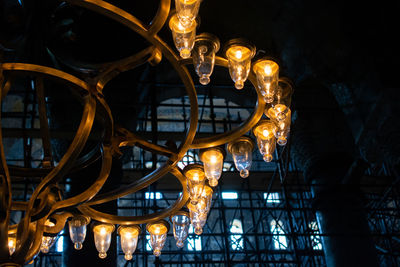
(46, 213)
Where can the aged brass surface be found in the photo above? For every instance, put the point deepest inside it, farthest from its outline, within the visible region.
(45, 203)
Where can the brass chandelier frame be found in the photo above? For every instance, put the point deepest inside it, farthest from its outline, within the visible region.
(45, 202)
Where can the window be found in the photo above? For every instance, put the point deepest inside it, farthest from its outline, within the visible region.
(229, 195)
(148, 244)
(153, 195)
(60, 242)
(272, 197)
(189, 158)
(278, 238)
(193, 241)
(315, 237)
(237, 238)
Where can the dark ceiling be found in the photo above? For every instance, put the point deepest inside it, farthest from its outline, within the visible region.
(341, 55)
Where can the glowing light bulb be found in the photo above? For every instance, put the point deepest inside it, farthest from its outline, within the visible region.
(102, 238)
(197, 218)
(158, 235)
(264, 131)
(184, 36)
(239, 54)
(213, 159)
(129, 238)
(195, 176)
(267, 72)
(280, 106)
(12, 242)
(187, 11)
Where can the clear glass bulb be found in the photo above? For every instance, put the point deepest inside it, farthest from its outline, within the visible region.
(206, 198)
(129, 239)
(47, 240)
(280, 106)
(77, 230)
(187, 10)
(197, 218)
(264, 131)
(267, 72)
(181, 223)
(241, 150)
(47, 243)
(158, 235)
(12, 243)
(195, 181)
(283, 128)
(213, 159)
(204, 50)
(184, 36)
(102, 238)
(239, 54)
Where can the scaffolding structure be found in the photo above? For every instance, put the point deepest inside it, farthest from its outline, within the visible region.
(269, 224)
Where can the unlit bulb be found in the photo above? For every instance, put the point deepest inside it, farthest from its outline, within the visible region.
(77, 230)
(180, 222)
(241, 150)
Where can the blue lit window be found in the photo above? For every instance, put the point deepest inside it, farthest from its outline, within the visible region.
(237, 237)
(153, 195)
(193, 241)
(272, 197)
(148, 244)
(60, 242)
(315, 238)
(229, 195)
(278, 237)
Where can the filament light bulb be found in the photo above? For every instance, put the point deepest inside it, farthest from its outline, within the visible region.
(47, 240)
(213, 159)
(241, 150)
(264, 132)
(239, 54)
(187, 10)
(195, 176)
(267, 72)
(282, 101)
(282, 126)
(184, 36)
(129, 239)
(77, 230)
(102, 238)
(158, 234)
(12, 243)
(197, 218)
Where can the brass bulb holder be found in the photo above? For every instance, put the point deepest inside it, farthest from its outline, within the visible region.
(205, 36)
(240, 42)
(137, 227)
(243, 138)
